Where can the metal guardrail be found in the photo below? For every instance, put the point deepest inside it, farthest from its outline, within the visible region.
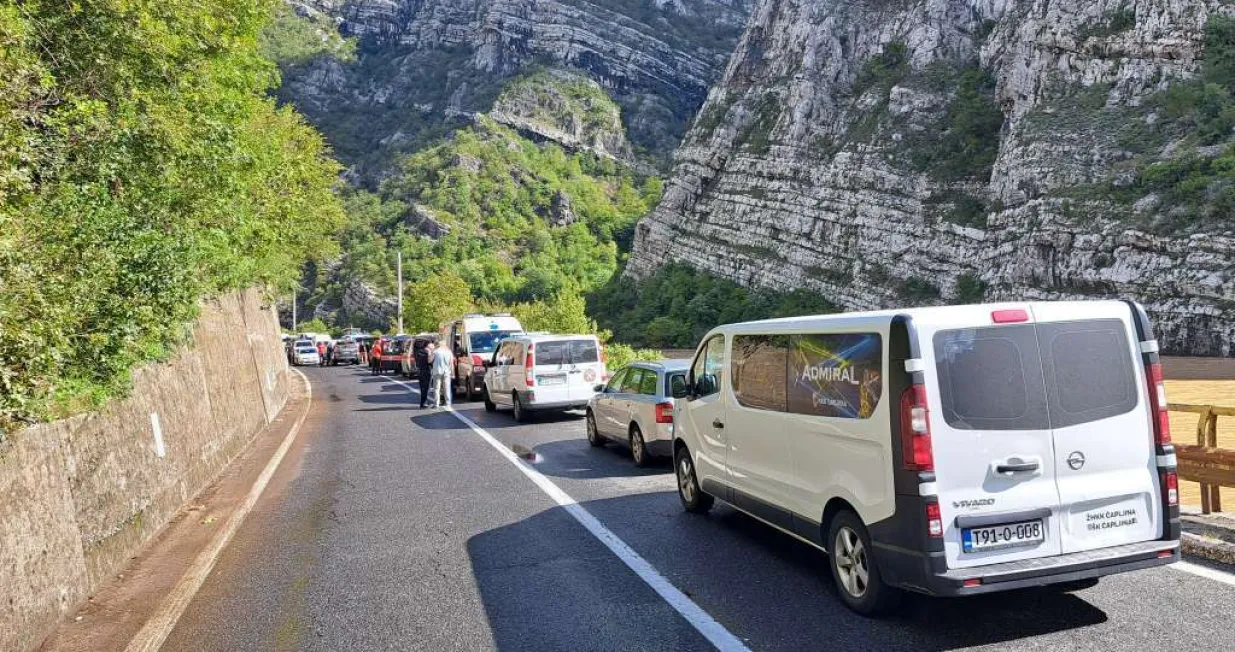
(1205, 462)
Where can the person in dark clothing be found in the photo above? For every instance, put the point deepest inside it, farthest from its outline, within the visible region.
(424, 368)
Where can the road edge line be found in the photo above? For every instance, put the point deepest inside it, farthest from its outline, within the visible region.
(159, 626)
(707, 626)
(1205, 572)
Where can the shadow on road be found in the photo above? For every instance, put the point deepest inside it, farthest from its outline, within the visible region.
(546, 584)
(575, 458)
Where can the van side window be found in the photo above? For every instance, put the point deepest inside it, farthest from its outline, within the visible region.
(705, 372)
(836, 375)
(758, 371)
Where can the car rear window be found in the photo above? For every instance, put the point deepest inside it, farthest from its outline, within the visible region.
(567, 352)
(1034, 377)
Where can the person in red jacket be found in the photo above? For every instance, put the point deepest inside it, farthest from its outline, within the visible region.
(321, 354)
(375, 357)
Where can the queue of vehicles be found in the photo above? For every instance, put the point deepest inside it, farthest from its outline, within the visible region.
(946, 451)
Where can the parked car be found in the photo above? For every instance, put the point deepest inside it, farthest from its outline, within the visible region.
(346, 352)
(391, 354)
(636, 408)
(532, 373)
(304, 352)
(949, 451)
(473, 338)
(407, 364)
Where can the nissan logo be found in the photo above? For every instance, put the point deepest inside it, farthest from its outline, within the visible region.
(1076, 460)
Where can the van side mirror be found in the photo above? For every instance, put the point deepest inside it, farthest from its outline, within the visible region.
(598, 388)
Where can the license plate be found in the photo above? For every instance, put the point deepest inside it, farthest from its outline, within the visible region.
(551, 380)
(1025, 533)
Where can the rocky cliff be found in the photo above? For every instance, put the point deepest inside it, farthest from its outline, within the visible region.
(425, 65)
(903, 152)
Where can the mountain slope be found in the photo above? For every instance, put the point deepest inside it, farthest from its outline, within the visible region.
(425, 66)
(923, 151)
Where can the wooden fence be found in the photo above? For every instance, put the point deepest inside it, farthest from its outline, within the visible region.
(1205, 462)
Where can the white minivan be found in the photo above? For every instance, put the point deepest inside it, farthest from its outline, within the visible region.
(538, 372)
(948, 451)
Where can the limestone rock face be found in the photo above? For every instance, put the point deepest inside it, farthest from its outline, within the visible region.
(909, 152)
(424, 60)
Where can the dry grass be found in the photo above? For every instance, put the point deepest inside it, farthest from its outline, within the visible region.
(1183, 424)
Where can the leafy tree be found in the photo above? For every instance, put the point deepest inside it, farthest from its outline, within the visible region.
(143, 167)
(436, 299)
(564, 313)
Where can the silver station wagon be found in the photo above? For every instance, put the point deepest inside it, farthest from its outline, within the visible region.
(636, 408)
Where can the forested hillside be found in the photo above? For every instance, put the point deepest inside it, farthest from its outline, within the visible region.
(143, 166)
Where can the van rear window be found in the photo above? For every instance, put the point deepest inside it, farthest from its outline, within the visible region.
(1034, 377)
(567, 352)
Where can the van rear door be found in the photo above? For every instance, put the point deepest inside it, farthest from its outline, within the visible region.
(586, 369)
(1106, 465)
(993, 451)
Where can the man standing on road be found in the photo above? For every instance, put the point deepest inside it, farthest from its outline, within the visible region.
(421, 352)
(442, 370)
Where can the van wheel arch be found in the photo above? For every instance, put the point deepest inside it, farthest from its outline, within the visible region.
(835, 506)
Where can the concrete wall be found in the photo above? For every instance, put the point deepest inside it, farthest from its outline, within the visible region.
(78, 497)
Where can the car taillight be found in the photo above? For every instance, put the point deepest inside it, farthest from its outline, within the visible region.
(478, 361)
(1157, 402)
(664, 412)
(1171, 486)
(934, 520)
(916, 430)
(528, 365)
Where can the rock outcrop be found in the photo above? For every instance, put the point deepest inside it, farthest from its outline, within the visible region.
(927, 151)
(423, 62)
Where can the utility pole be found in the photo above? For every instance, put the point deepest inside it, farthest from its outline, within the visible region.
(293, 312)
(399, 265)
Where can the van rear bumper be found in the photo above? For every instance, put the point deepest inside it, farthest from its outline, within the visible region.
(1037, 572)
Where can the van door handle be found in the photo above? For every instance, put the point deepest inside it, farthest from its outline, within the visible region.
(1018, 467)
(717, 423)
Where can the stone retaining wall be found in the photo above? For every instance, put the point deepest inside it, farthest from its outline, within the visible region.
(79, 497)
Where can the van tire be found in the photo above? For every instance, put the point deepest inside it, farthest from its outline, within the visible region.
(490, 406)
(593, 435)
(849, 558)
(638, 447)
(692, 497)
(521, 413)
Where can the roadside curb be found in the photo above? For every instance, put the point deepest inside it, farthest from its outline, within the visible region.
(1209, 537)
(157, 628)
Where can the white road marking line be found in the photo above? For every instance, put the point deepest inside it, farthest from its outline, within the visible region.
(160, 625)
(705, 624)
(1204, 571)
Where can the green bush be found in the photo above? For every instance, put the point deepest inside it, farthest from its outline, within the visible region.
(968, 147)
(142, 168)
(620, 355)
(970, 288)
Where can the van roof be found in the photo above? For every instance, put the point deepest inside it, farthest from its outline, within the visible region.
(925, 314)
(665, 365)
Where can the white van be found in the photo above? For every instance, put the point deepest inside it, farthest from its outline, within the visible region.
(473, 338)
(949, 451)
(537, 372)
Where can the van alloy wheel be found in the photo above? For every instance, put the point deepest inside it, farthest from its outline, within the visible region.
(852, 566)
(693, 498)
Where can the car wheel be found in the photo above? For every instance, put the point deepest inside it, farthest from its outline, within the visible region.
(521, 413)
(854, 570)
(692, 497)
(593, 435)
(638, 448)
(490, 406)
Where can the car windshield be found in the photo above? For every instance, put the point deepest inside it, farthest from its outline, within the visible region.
(487, 341)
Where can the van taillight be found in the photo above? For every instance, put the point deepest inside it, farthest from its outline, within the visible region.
(1171, 486)
(1157, 402)
(664, 412)
(529, 365)
(916, 430)
(1014, 316)
(934, 520)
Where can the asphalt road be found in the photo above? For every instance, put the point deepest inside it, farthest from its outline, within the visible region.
(392, 528)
